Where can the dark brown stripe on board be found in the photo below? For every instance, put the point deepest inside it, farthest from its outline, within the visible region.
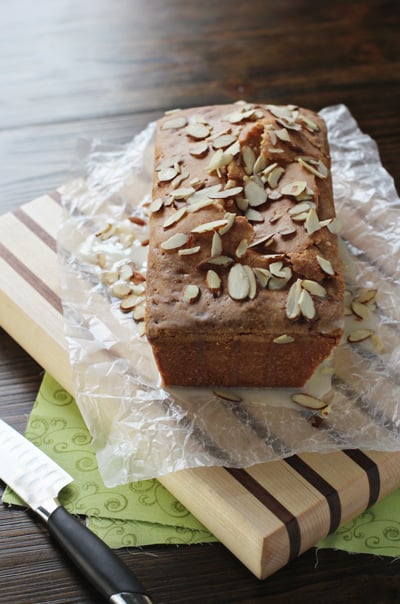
(269, 501)
(56, 196)
(327, 490)
(31, 278)
(36, 229)
(372, 471)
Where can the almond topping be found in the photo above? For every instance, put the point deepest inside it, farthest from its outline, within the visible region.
(252, 282)
(156, 205)
(199, 150)
(263, 275)
(360, 310)
(314, 288)
(167, 174)
(238, 282)
(223, 141)
(306, 305)
(241, 248)
(213, 225)
(228, 396)
(308, 401)
(249, 159)
(127, 304)
(359, 335)
(312, 223)
(188, 251)
(213, 282)
(191, 294)
(292, 302)
(255, 194)
(198, 131)
(174, 218)
(216, 245)
(175, 122)
(283, 339)
(177, 240)
(325, 265)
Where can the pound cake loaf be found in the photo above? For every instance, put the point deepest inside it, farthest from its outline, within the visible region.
(244, 284)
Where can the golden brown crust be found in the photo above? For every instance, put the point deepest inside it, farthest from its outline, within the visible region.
(227, 336)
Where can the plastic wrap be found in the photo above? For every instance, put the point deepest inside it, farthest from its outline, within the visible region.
(142, 430)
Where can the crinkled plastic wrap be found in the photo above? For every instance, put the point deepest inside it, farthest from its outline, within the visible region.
(142, 430)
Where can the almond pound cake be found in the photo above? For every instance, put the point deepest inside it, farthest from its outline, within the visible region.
(244, 285)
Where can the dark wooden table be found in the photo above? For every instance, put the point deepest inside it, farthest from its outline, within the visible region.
(103, 68)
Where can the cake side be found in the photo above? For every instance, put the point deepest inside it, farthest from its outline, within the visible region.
(243, 266)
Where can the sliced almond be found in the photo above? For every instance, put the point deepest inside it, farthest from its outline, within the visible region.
(216, 245)
(213, 225)
(365, 295)
(174, 122)
(308, 401)
(182, 193)
(120, 290)
(241, 248)
(262, 274)
(174, 218)
(306, 305)
(283, 135)
(312, 223)
(156, 205)
(260, 164)
(126, 271)
(321, 171)
(198, 131)
(213, 282)
(255, 194)
(223, 141)
(199, 150)
(220, 260)
(315, 288)
(359, 335)
(227, 396)
(249, 159)
(231, 192)
(294, 188)
(188, 251)
(360, 310)
(127, 304)
(292, 302)
(288, 232)
(139, 312)
(167, 174)
(309, 123)
(304, 206)
(274, 176)
(230, 221)
(253, 215)
(202, 194)
(325, 265)
(219, 160)
(252, 281)
(283, 339)
(191, 294)
(175, 241)
(238, 282)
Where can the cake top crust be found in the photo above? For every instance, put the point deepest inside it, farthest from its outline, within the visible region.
(243, 231)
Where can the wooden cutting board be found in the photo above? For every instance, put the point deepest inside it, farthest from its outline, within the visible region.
(267, 514)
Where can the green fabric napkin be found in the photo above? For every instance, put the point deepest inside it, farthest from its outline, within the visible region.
(144, 513)
(138, 513)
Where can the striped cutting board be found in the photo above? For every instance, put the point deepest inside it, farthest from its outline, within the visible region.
(267, 514)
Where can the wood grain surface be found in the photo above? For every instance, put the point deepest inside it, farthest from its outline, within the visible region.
(103, 69)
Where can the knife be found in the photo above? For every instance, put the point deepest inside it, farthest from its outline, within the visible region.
(37, 479)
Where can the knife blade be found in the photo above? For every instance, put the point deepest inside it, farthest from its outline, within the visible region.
(37, 479)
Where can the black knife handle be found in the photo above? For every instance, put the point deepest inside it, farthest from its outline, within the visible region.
(107, 573)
